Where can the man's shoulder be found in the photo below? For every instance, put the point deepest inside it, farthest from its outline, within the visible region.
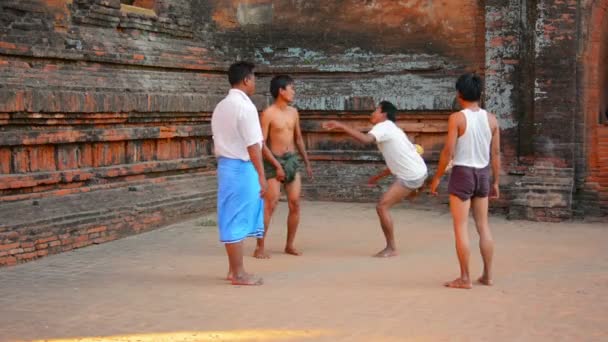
(292, 110)
(457, 118)
(270, 111)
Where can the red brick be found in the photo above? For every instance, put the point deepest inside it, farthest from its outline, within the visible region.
(5, 160)
(42, 158)
(81, 238)
(46, 239)
(15, 251)
(27, 244)
(9, 246)
(26, 256)
(6, 45)
(8, 261)
(44, 245)
(97, 229)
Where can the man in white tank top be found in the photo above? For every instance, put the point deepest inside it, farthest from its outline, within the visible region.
(402, 160)
(473, 142)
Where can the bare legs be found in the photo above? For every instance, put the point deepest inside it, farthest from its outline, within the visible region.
(460, 213)
(271, 200)
(394, 194)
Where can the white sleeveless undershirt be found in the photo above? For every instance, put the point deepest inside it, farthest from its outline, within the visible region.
(473, 147)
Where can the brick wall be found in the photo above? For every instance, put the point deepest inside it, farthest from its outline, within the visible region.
(592, 155)
(96, 98)
(101, 107)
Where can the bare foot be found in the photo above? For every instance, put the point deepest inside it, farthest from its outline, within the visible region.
(459, 284)
(247, 280)
(261, 254)
(229, 276)
(386, 253)
(292, 251)
(484, 280)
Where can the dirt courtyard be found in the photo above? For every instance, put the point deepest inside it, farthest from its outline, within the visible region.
(551, 284)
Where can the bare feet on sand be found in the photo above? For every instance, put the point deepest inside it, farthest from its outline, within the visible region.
(246, 279)
(292, 251)
(260, 253)
(386, 253)
(459, 284)
(485, 280)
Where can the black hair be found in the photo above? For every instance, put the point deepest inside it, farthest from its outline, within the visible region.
(239, 71)
(279, 82)
(389, 109)
(469, 86)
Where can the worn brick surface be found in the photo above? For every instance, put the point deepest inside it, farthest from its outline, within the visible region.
(35, 228)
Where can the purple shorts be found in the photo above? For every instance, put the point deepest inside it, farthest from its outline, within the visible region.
(467, 182)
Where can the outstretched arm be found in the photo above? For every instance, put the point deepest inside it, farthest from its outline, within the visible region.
(362, 137)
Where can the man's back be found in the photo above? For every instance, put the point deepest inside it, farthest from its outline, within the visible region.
(235, 125)
(475, 136)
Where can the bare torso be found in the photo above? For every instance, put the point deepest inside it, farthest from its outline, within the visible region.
(281, 129)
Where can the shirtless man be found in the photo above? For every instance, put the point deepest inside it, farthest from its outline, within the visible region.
(282, 134)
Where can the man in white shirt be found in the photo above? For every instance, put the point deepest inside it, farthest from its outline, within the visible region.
(238, 142)
(403, 162)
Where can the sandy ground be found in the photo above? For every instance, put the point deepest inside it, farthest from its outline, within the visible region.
(166, 285)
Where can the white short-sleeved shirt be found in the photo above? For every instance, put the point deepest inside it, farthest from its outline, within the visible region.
(398, 151)
(235, 125)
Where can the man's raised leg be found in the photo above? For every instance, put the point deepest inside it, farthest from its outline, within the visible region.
(486, 243)
(235, 260)
(271, 199)
(460, 214)
(293, 190)
(394, 194)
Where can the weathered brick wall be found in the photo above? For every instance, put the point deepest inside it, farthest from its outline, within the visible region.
(94, 97)
(592, 138)
(410, 55)
(543, 182)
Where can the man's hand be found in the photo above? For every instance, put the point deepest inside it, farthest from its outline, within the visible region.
(309, 172)
(331, 125)
(263, 186)
(434, 185)
(494, 191)
(372, 181)
(280, 174)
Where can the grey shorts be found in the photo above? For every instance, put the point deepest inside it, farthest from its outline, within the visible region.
(413, 184)
(468, 182)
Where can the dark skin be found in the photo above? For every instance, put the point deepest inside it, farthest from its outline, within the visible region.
(460, 209)
(236, 269)
(281, 128)
(392, 196)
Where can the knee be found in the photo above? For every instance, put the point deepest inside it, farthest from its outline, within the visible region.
(271, 205)
(381, 207)
(294, 205)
